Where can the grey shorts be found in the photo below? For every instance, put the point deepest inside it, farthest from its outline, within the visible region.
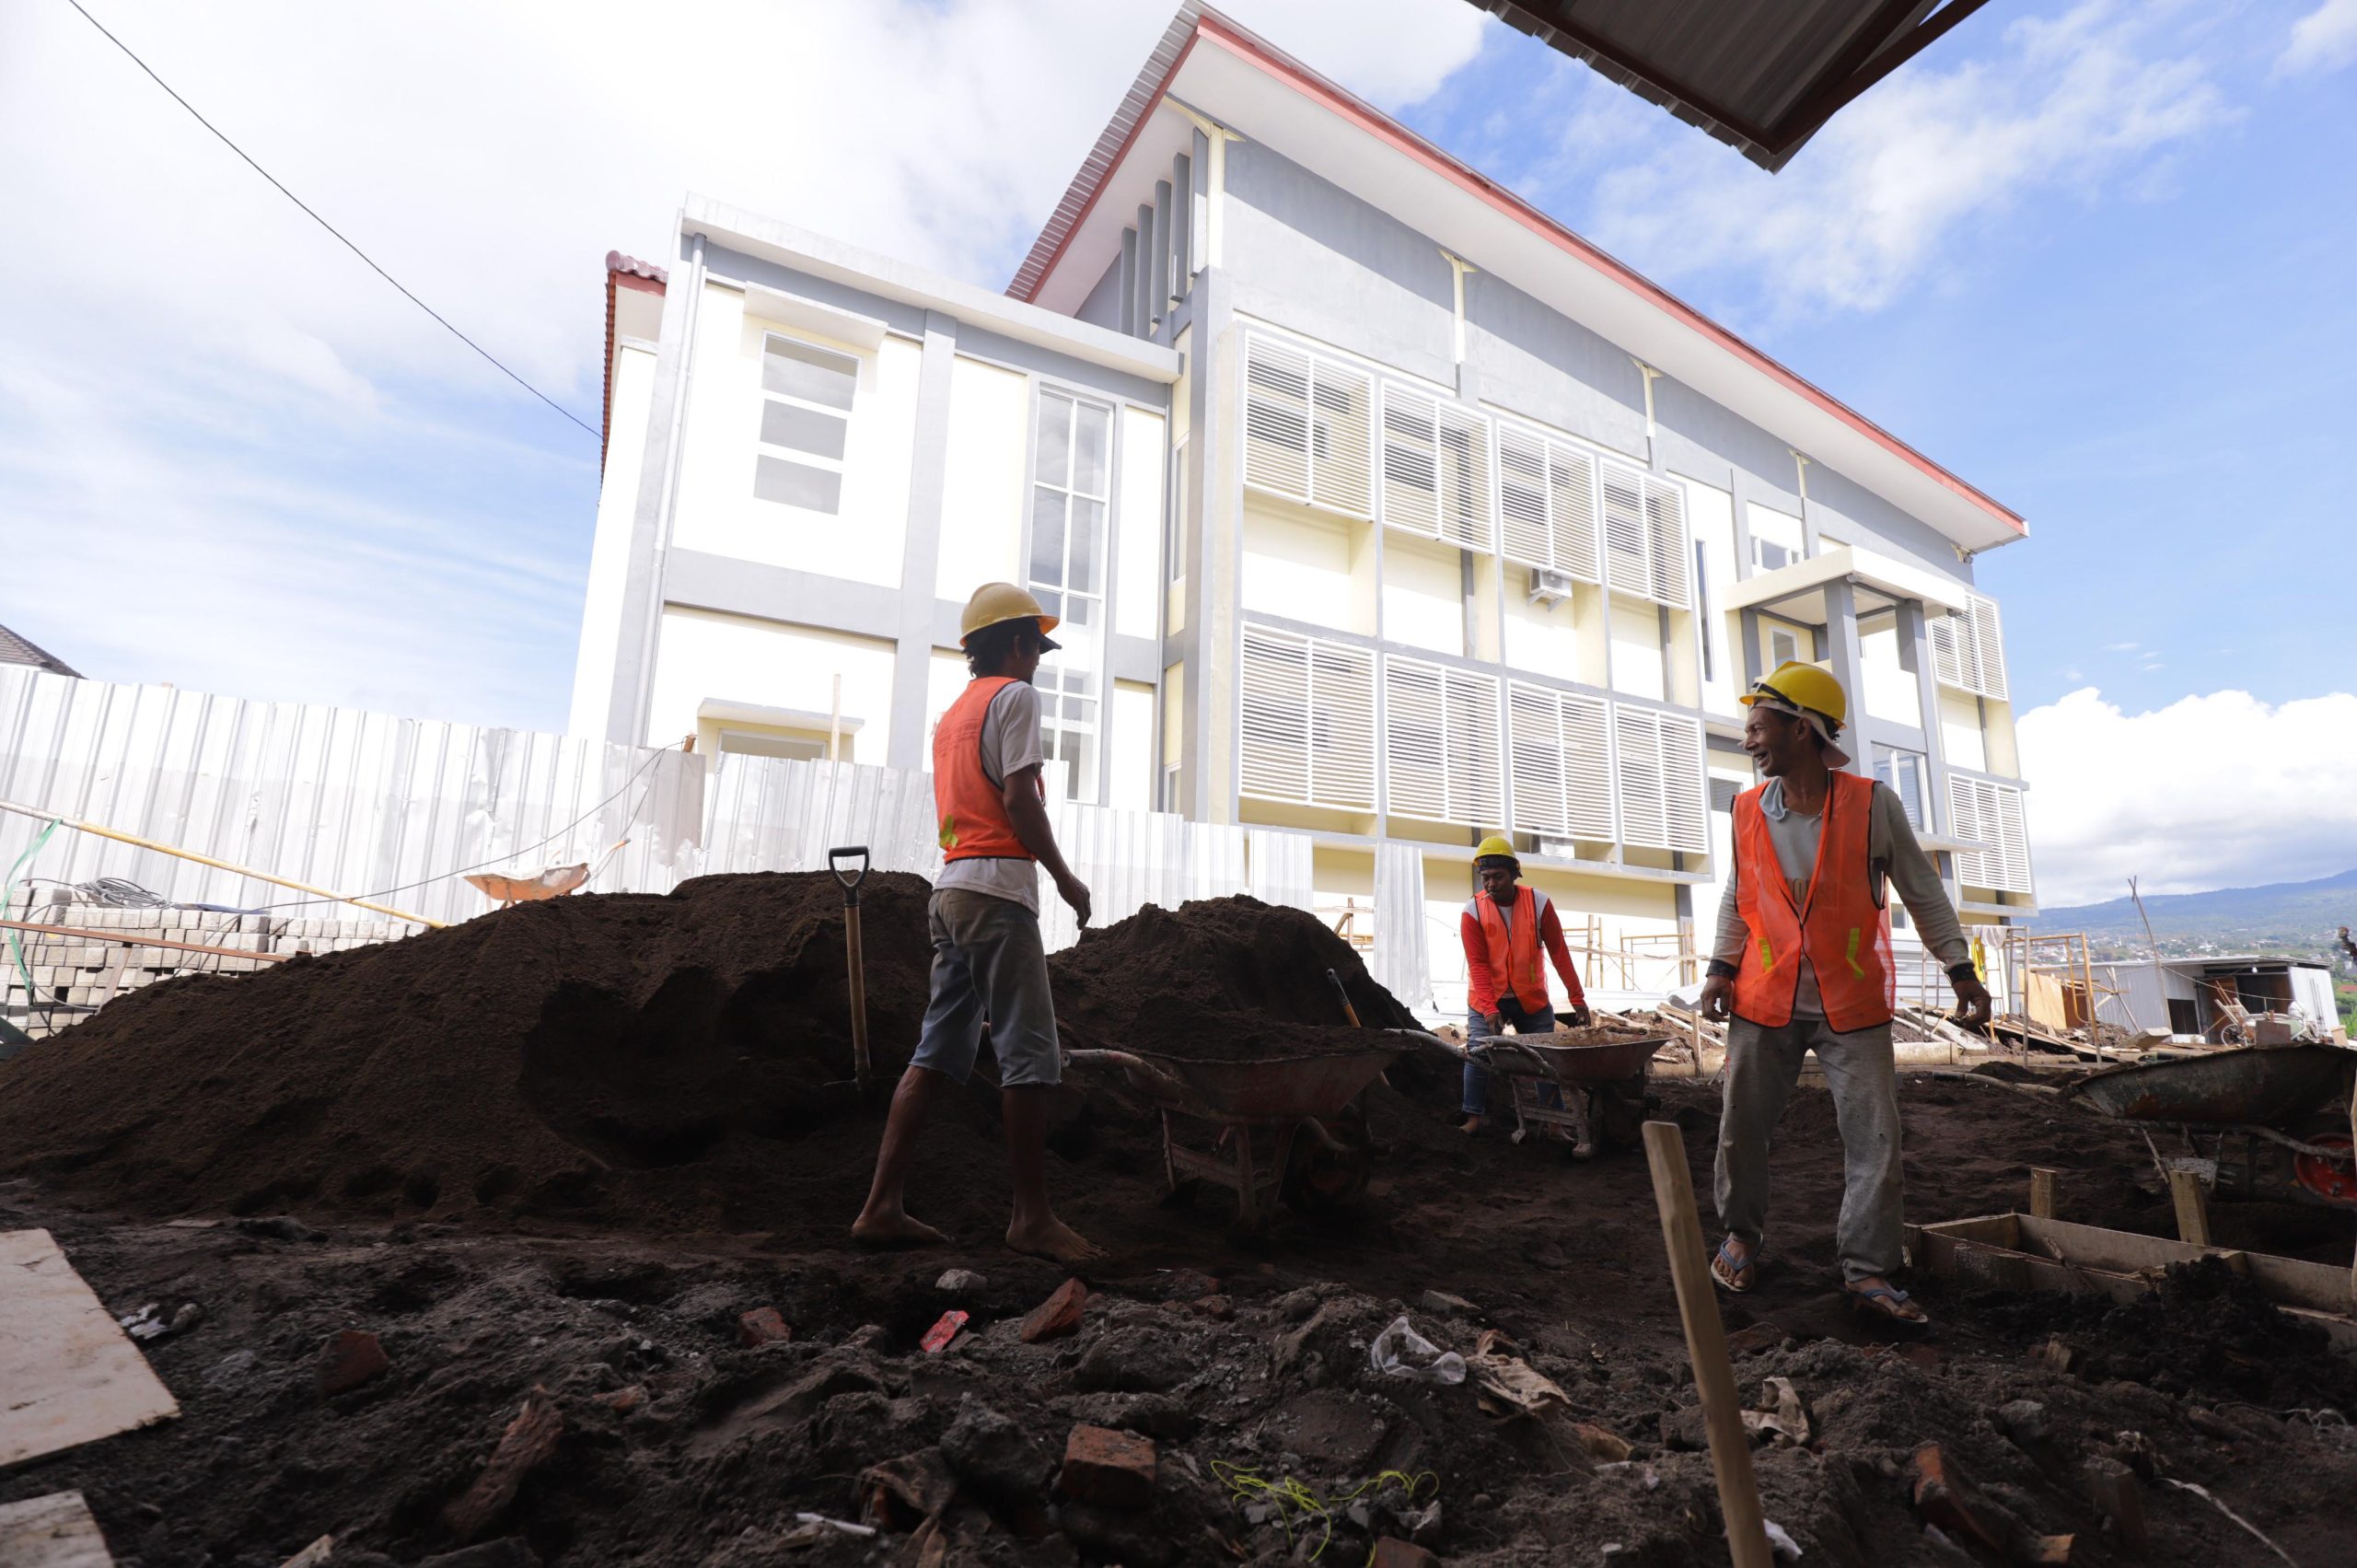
(988, 963)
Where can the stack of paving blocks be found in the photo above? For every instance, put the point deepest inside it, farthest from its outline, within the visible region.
(84, 973)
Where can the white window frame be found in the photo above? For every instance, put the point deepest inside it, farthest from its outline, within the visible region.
(1312, 741)
(1921, 767)
(1460, 780)
(839, 466)
(1069, 679)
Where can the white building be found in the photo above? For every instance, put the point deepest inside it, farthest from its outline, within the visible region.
(1380, 507)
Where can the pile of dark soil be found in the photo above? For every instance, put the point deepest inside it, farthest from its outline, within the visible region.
(627, 1057)
(1217, 979)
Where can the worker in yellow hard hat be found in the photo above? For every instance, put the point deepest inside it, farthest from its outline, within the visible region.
(1803, 964)
(1505, 927)
(989, 965)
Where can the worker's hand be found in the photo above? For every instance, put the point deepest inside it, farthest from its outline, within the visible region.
(1717, 1000)
(1579, 1017)
(1493, 1024)
(1075, 892)
(1977, 1006)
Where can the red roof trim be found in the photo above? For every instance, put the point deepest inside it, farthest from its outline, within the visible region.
(1285, 68)
(622, 271)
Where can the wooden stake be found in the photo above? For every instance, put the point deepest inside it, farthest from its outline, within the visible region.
(1706, 1345)
(2112, 1486)
(2192, 1210)
(2041, 1192)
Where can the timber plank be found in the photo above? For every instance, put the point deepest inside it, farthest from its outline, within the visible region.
(69, 1373)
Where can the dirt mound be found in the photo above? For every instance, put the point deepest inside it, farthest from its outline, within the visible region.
(612, 1055)
(1217, 979)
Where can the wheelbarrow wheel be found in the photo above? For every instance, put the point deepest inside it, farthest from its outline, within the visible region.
(1320, 1180)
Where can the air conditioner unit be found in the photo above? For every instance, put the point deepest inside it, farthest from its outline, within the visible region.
(1561, 849)
(1550, 588)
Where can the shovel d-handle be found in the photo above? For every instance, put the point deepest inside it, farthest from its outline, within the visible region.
(851, 880)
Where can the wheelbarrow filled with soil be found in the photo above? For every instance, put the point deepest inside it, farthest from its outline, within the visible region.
(1587, 1085)
(2283, 1108)
(1281, 1125)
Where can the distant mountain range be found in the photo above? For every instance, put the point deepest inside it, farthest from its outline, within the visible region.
(2288, 917)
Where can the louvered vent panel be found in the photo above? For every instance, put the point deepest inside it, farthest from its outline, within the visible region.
(1341, 758)
(1665, 548)
(1989, 645)
(1686, 815)
(1308, 422)
(1563, 762)
(1307, 725)
(1441, 755)
(1463, 448)
(1546, 503)
(1964, 822)
(1475, 789)
(1411, 457)
(1628, 568)
(2013, 839)
(1636, 752)
(1947, 633)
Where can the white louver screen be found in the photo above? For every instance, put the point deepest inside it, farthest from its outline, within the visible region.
(1645, 536)
(1561, 762)
(1990, 815)
(1308, 727)
(1969, 650)
(1436, 468)
(1440, 743)
(1658, 764)
(1307, 426)
(1547, 503)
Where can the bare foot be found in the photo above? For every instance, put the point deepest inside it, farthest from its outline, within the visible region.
(894, 1229)
(1052, 1238)
(1472, 1124)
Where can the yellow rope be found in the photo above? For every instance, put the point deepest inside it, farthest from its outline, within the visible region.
(1287, 1494)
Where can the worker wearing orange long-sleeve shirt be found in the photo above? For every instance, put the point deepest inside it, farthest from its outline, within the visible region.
(1505, 927)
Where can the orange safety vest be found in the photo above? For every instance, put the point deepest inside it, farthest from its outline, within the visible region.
(972, 810)
(1841, 929)
(1513, 947)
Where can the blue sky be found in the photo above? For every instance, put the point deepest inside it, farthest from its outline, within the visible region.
(2093, 255)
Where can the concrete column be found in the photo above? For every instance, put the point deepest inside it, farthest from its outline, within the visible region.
(920, 555)
(1915, 652)
(642, 617)
(1158, 289)
(1141, 306)
(1182, 224)
(1130, 282)
(1842, 652)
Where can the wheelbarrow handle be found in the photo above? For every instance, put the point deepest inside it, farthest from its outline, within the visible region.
(851, 883)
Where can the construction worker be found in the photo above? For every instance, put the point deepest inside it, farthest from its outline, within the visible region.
(1803, 963)
(1504, 927)
(988, 963)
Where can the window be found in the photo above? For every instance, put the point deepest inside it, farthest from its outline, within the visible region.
(1307, 426)
(1070, 480)
(1784, 645)
(1645, 536)
(1990, 815)
(1306, 725)
(807, 398)
(1702, 604)
(1770, 556)
(1904, 773)
(1968, 648)
(1560, 762)
(1657, 764)
(1440, 743)
(1436, 468)
(1547, 503)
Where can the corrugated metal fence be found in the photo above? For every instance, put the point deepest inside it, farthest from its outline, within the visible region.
(370, 804)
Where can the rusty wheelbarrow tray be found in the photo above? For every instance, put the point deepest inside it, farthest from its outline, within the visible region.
(1270, 1113)
(2255, 1085)
(1599, 1083)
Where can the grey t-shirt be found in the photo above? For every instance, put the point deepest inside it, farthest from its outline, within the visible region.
(1010, 743)
(1891, 851)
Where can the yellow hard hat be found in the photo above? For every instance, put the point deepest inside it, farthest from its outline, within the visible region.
(1803, 686)
(994, 602)
(1496, 844)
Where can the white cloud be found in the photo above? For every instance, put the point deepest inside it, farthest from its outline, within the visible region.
(2324, 40)
(1882, 194)
(2218, 791)
(211, 394)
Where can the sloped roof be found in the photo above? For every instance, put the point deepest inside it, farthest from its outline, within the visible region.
(16, 650)
(622, 271)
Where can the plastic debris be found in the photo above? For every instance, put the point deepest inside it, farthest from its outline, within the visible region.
(1400, 1352)
(936, 1338)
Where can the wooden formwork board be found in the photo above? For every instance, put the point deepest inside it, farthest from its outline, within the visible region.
(2017, 1251)
(55, 1531)
(68, 1372)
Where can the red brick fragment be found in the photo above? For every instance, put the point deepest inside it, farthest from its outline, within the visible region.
(621, 1402)
(350, 1358)
(530, 1439)
(1057, 1316)
(1218, 1307)
(1393, 1552)
(944, 1329)
(761, 1326)
(1110, 1468)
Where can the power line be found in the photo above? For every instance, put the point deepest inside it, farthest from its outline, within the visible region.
(323, 222)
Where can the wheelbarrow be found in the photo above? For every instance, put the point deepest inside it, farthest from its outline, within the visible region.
(1271, 1141)
(2289, 1097)
(1602, 1086)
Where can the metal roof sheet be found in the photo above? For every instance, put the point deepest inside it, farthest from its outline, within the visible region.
(15, 649)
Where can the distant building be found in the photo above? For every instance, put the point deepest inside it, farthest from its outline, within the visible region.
(1378, 505)
(2183, 996)
(16, 650)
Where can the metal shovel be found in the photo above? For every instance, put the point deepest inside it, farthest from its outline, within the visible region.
(858, 966)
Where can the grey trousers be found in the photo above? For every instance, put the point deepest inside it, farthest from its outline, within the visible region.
(1762, 1066)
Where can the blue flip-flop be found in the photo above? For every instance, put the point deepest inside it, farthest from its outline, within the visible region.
(1875, 1297)
(1723, 1280)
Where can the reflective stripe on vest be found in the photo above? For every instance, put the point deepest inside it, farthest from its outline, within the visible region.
(1838, 928)
(972, 810)
(1513, 945)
